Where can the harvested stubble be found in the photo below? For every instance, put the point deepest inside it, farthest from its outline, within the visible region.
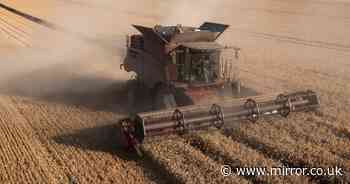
(186, 164)
(80, 155)
(22, 156)
(278, 144)
(238, 155)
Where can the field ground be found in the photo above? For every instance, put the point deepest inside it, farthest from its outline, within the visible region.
(62, 92)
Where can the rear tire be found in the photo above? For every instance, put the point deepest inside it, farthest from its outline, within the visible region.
(236, 88)
(133, 86)
(163, 98)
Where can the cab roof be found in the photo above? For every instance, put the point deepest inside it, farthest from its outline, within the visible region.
(207, 32)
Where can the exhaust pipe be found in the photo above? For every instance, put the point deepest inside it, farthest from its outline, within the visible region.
(198, 117)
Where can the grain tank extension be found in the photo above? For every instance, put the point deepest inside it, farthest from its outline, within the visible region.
(178, 66)
(175, 62)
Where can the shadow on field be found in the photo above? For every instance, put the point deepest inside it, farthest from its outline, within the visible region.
(101, 138)
(105, 139)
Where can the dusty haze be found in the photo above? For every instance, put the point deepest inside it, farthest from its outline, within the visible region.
(287, 45)
(85, 53)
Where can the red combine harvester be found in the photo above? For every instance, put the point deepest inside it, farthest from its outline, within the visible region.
(178, 66)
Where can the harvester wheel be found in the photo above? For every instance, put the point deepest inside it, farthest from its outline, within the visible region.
(236, 87)
(253, 108)
(133, 86)
(284, 112)
(126, 137)
(179, 117)
(121, 139)
(217, 111)
(163, 98)
(139, 96)
(164, 101)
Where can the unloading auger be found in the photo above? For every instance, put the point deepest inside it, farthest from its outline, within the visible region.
(192, 118)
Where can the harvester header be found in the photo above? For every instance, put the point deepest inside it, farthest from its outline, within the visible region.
(199, 117)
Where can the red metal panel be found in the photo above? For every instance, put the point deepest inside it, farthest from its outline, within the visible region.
(172, 72)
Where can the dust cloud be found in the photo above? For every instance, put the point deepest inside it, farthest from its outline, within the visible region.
(191, 13)
(83, 55)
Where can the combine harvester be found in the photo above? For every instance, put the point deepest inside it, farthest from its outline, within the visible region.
(173, 63)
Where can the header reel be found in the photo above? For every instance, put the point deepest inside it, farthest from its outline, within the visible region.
(187, 119)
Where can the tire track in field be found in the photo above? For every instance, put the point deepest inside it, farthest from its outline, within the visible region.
(14, 28)
(13, 36)
(52, 26)
(294, 40)
(14, 32)
(28, 16)
(20, 21)
(296, 13)
(10, 26)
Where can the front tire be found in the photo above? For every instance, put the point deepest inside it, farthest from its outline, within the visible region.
(236, 88)
(163, 98)
(133, 86)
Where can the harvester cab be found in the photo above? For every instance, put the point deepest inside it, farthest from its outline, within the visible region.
(167, 59)
(177, 62)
